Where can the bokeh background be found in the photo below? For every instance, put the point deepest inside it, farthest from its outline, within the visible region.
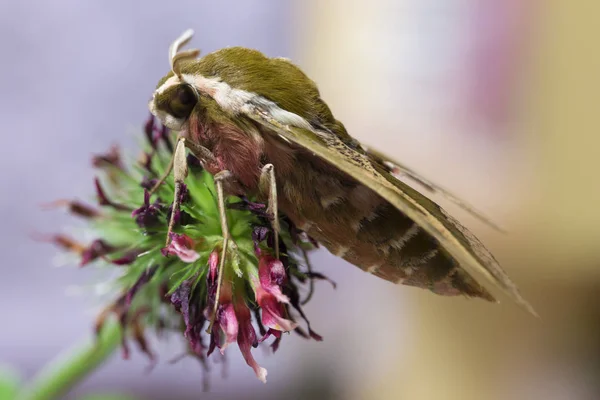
(497, 100)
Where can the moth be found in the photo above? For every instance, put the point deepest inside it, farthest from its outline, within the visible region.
(259, 125)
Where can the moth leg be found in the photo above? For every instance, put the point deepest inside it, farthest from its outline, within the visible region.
(267, 177)
(180, 170)
(227, 242)
(201, 152)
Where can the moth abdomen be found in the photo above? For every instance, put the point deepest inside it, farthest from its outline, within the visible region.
(410, 256)
(356, 224)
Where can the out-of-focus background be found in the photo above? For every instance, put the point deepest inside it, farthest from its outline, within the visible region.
(497, 100)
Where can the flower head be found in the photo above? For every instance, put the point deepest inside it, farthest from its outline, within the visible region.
(175, 288)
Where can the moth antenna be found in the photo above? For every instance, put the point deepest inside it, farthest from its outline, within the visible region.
(175, 56)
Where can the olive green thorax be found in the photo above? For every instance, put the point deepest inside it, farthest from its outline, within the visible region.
(275, 79)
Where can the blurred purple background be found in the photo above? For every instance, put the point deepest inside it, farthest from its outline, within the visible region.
(487, 97)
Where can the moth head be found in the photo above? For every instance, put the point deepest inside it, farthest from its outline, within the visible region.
(174, 98)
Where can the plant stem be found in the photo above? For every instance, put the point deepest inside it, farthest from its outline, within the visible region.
(69, 368)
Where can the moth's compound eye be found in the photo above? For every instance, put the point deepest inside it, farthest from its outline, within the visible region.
(182, 101)
(186, 95)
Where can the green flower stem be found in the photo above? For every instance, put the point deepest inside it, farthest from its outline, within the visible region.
(68, 369)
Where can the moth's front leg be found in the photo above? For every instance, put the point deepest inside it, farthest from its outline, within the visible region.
(201, 152)
(180, 169)
(269, 185)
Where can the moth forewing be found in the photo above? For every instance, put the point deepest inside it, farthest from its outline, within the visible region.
(457, 240)
(430, 186)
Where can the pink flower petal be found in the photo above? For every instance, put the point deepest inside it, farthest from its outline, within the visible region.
(183, 247)
(213, 265)
(272, 312)
(271, 274)
(247, 339)
(229, 325)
